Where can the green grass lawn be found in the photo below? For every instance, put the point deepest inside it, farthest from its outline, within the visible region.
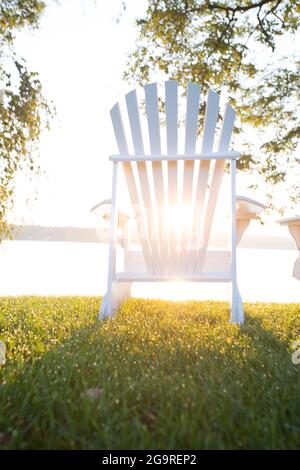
(161, 375)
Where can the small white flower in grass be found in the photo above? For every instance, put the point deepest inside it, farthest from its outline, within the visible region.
(94, 392)
(296, 353)
(2, 353)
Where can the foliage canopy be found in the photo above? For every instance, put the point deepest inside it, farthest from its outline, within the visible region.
(23, 110)
(248, 48)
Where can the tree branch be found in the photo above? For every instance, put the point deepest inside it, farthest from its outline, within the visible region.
(227, 8)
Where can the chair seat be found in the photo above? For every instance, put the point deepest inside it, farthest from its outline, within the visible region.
(216, 267)
(145, 277)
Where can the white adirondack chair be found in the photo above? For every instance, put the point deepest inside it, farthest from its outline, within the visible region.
(293, 224)
(166, 253)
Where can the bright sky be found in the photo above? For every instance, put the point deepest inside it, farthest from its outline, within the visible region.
(79, 52)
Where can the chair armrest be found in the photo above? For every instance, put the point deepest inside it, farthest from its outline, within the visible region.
(293, 224)
(289, 221)
(246, 210)
(102, 210)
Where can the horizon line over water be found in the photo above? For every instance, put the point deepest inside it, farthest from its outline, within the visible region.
(79, 268)
(94, 234)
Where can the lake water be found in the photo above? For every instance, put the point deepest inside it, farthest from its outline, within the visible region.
(68, 268)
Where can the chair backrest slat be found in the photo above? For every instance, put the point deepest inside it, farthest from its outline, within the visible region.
(135, 123)
(191, 121)
(227, 128)
(152, 112)
(171, 103)
(210, 121)
(131, 184)
(191, 130)
(153, 118)
(149, 213)
(118, 126)
(147, 209)
(171, 93)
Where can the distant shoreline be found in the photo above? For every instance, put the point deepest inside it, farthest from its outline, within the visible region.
(91, 235)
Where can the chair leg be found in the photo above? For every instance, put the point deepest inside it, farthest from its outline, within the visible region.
(103, 308)
(111, 301)
(240, 307)
(234, 314)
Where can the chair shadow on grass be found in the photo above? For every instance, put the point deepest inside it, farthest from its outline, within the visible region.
(156, 387)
